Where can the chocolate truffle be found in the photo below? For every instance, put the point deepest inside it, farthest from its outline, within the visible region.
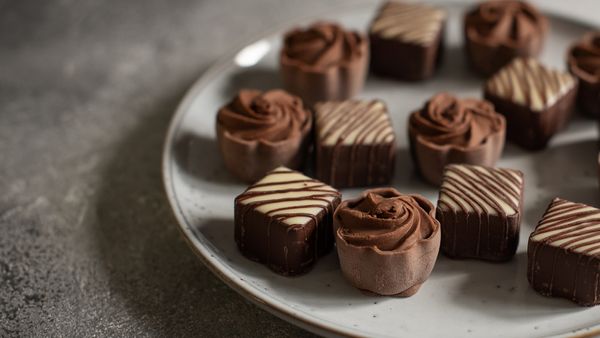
(480, 209)
(355, 143)
(324, 62)
(536, 101)
(564, 253)
(498, 31)
(285, 221)
(258, 132)
(407, 40)
(387, 242)
(584, 62)
(449, 130)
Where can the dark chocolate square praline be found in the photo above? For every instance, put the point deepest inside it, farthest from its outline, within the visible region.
(476, 233)
(367, 160)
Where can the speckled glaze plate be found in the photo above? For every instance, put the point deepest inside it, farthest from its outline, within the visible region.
(461, 298)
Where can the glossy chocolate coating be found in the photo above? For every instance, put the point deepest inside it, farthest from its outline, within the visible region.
(285, 221)
(480, 209)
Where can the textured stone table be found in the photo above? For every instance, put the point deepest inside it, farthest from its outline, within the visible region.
(88, 245)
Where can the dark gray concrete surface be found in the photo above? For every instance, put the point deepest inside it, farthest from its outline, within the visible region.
(88, 244)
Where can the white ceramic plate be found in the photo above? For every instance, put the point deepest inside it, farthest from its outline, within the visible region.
(461, 298)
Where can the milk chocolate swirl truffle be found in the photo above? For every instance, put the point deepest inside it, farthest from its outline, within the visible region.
(387, 242)
(258, 132)
(324, 62)
(584, 62)
(448, 130)
(498, 31)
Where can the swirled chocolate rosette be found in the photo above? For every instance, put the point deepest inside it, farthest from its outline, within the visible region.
(448, 130)
(258, 132)
(324, 62)
(584, 62)
(387, 242)
(498, 31)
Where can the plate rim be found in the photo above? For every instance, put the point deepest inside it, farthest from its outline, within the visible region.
(307, 322)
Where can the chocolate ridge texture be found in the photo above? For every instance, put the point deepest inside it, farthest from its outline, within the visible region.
(479, 209)
(537, 101)
(387, 242)
(406, 40)
(285, 221)
(564, 253)
(355, 143)
(324, 62)
(449, 130)
(583, 61)
(498, 31)
(258, 132)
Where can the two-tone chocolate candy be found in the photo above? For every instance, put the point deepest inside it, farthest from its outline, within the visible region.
(355, 143)
(407, 40)
(564, 253)
(480, 210)
(537, 101)
(285, 221)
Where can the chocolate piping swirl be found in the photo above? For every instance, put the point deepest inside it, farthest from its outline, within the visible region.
(321, 46)
(354, 123)
(324, 62)
(584, 58)
(498, 31)
(583, 61)
(387, 242)
(449, 130)
(259, 131)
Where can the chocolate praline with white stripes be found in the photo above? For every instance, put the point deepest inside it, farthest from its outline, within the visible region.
(355, 143)
(564, 253)
(407, 40)
(285, 221)
(537, 101)
(479, 209)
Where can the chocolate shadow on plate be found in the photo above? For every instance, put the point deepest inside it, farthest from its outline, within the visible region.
(199, 157)
(500, 289)
(322, 286)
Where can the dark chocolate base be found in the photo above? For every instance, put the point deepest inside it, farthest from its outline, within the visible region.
(405, 61)
(287, 250)
(530, 129)
(588, 98)
(556, 272)
(492, 238)
(344, 166)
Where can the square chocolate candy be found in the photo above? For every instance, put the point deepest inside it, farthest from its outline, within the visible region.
(285, 221)
(480, 209)
(407, 40)
(355, 143)
(536, 101)
(564, 253)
